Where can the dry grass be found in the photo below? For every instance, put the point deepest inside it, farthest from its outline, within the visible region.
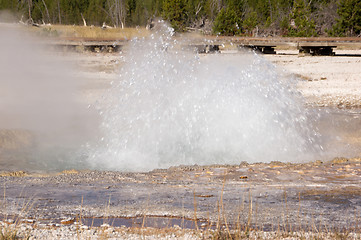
(13, 174)
(10, 228)
(246, 227)
(89, 32)
(8, 234)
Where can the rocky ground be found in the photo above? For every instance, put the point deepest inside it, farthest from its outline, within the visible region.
(277, 197)
(277, 200)
(325, 81)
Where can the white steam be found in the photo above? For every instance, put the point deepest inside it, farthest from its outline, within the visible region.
(38, 95)
(171, 107)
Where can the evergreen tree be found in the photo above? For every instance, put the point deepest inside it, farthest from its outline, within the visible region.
(155, 7)
(212, 9)
(237, 6)
(195, 10)
(301, 23)
(230, 17)
(226, 22)
(250, 23)
(175, 12)
(349, 21)
(95, 13)
(139, 17)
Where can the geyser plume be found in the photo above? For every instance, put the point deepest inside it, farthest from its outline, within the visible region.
(42, 122)
(171, 107)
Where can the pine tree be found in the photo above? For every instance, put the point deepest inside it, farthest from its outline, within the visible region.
(226, 22)
(349, 21)
(175, 12)
(301, 23)
(285, 17)
(250, 23)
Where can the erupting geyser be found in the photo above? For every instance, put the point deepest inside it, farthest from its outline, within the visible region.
(171, 107)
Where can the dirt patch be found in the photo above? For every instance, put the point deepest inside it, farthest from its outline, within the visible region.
(348, 191)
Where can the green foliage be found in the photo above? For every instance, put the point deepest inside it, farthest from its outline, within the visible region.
(237, 6)
(95, 13)
(195, 10)
(211, 9)
(284, 25)
(4, 4)
(302, 24)
(349, 21)
(250, 23)
(230, 17)
(139, 12)
(49, 32)
(227, 22)
(175, 12)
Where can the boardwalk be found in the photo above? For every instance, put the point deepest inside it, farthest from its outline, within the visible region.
(312, 46)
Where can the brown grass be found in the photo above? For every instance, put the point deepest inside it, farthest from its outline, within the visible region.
(13, 174)
(10, 229)
(88, 32)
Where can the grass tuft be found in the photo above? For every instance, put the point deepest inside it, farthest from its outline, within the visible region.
(8, 234)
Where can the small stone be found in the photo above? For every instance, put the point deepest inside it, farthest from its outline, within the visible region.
(318, 162)
(9, 220)
(67, 221)
(84, 227)
(41, 225)
(23, 228)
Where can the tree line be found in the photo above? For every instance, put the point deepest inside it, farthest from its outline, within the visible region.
(300, 18)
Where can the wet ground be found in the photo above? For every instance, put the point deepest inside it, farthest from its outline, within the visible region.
(266, 196)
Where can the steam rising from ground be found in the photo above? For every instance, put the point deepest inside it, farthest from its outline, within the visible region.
(171, 107)
(37, 100)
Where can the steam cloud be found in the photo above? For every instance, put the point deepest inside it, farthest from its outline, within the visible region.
(38, 95)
